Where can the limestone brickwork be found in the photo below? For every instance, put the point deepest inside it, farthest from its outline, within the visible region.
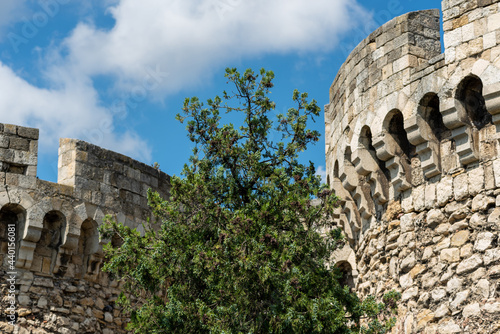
(59, 286)
(412, 148)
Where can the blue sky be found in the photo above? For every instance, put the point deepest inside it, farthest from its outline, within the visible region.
(115, 72)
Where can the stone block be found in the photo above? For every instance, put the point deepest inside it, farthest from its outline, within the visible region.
(423, 318)
(492, 308)
(407, 222)
(418, 196)
(469, 264)
(452, 38)
(466, 251)
(438, 294)
(461, 186)
(454, 284)
(445, 190)
(484, 241)
(482, 202)
(45, 282)
(476, 180)
(468, 32)
(409, 293)
(441, 311)
(450, 255)
(482, 288)
(30, 133)
(491, 256)
(19, 144)
(435, 217)
(490, 40)
(494, 22)
(459, 299)
(471, 310)
(430, 195)
(494, 272)
(449, 327)
(460, 238)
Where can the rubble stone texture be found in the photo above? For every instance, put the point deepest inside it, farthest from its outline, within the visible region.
(59, 285)
(420, 129)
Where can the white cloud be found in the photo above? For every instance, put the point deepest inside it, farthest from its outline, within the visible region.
(70, 111)
(10, 11)
(158, 47)
(321, 171)
(191, 39)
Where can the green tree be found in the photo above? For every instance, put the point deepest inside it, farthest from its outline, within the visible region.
(244, 241)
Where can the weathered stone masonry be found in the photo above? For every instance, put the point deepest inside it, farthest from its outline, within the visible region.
(412, 147)
(59, 285)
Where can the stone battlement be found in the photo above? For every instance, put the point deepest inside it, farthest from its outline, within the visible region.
(413, 150)
(59, 254)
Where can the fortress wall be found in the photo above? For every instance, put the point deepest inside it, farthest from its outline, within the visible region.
(109, 179)
(18, 153)
(415, 158)
(59, 285)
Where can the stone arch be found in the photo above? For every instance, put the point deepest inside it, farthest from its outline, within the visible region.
(88, 245)
(12, 223)
(347, 276)
(348, 173)
(429, 110)
(401, 152)
(475, 123)
(394, 125)
(469, 95)
(366, 142)
(373, 169)
(51, 239)
(426, 130)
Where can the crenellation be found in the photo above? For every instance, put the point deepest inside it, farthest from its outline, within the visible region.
(59, 254)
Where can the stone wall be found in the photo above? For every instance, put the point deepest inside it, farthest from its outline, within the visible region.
(412, 147)
(57, 280)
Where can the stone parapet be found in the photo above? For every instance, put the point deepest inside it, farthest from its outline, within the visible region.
(60, 287)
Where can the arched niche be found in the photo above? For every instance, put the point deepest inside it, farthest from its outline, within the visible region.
(366, 142)
(429, 110)
(348, 174)
(346, 271)
(12, 217)
(469, 95)
(368, 162)
(88, 245)
(427, 131)
(396, 129)
(472, 138)
(401, 151)
(47, 248)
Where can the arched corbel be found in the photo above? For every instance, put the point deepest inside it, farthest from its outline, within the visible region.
(425, 131)
(393, 147)
(367, 164)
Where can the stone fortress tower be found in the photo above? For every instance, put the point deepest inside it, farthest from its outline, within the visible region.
(412, 148)
(59, 285)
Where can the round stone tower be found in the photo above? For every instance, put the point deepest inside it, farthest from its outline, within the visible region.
(412, 148)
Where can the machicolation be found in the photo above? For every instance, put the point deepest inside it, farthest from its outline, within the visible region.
(412, 148)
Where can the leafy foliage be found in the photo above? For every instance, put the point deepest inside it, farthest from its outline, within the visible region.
(243, 243)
